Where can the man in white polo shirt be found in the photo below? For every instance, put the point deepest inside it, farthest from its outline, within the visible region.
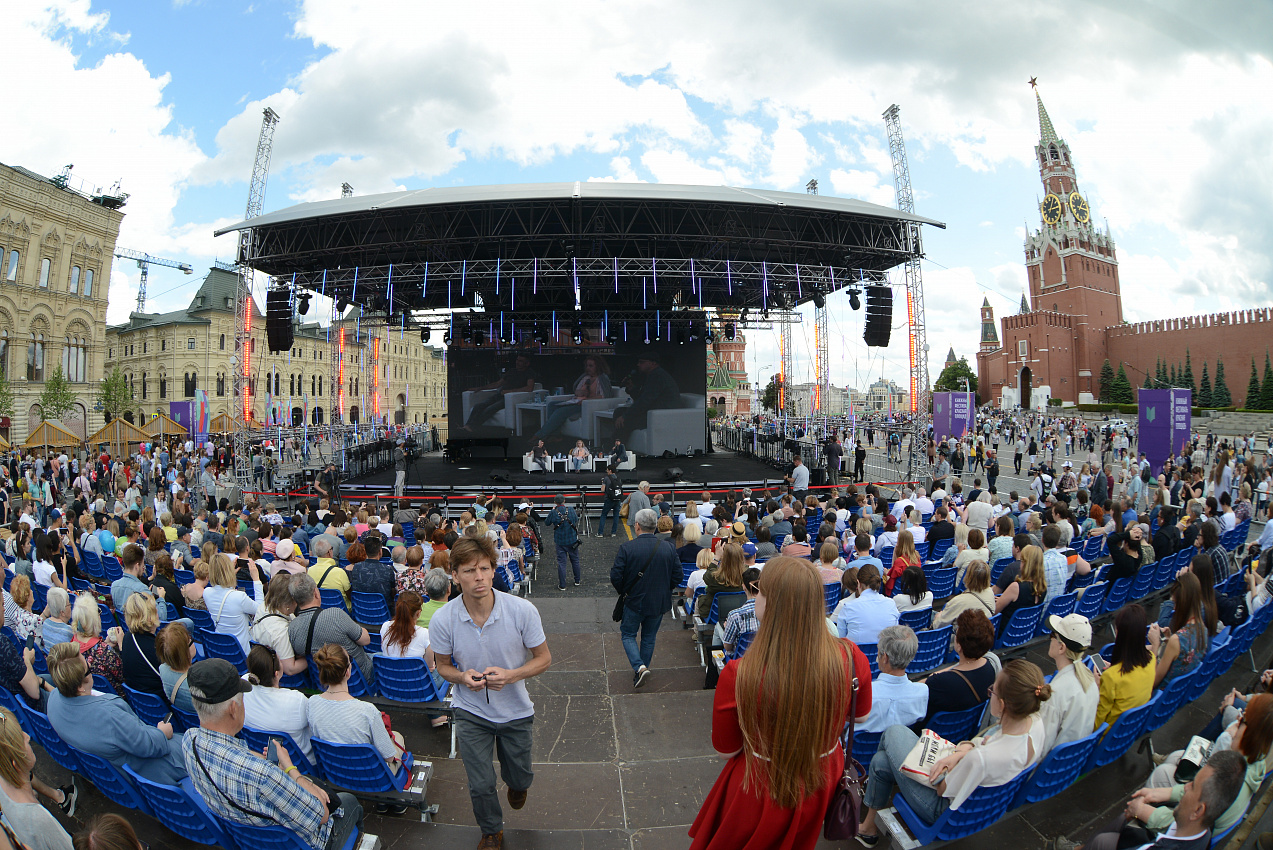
(489, 636)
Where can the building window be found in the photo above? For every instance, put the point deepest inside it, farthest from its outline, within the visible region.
(12, 272)
(320, 389)
(112, 354)
(4, 354)
(223, 342)
(291, 385)
(145, 346)
(163, 387)
(143, 385)
(313, 385)
(75, 280)
(35, 357)
(190, 344)
(163, 345)
(1023, 348)
(75, 359)
(45, 265)
(191, 380)
(88, 283)
(220, 385)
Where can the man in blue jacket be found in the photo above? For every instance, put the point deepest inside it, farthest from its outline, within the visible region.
(645, 571)
(565, 524)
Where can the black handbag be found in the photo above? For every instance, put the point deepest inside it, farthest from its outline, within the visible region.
(841, 822)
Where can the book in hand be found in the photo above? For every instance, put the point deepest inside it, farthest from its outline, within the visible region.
(928, 750)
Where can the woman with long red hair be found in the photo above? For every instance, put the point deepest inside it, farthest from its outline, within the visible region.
(777, 719)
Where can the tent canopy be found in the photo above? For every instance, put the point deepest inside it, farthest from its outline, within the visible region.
(52, 433)
(119, 434)
(223, 424)
(164, 425)
(4, 444)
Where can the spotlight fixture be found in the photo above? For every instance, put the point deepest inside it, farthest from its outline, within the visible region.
(342, 304)
(693, 331)
(302, 303)
(541, 336)
(478, 339)
(446, 337)
(504, 337)
(425, 333)
(579, 335)
(612, 338)
(854, 301)
(819, 299)
(711, 335)
(731, 331)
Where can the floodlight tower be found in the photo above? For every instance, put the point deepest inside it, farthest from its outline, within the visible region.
(914, 294)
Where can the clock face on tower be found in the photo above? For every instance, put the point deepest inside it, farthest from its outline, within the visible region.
(1079, 207)
(1051, 208)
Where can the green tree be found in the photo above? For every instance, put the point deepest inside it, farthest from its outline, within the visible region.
(1175, 380)
(1220, 395)
(769, 399)
(6, 397)
(115, 395)
(1149, 381)
(57, 397)
(1204, 389)
(1122, 389)
(1266, 390)
(1107, 383)
(1253, 389)
(1186, 380)
(951, 379)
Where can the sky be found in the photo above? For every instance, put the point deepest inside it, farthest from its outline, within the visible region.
(1164, 105)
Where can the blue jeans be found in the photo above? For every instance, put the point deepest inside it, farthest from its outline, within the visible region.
(558, 415)
(609, 506)
(885, 771)
(649, 626)
(564, 552)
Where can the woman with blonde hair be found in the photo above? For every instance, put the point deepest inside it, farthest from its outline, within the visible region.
(691, 514)
(202, 569)
(101, 654)
(32, 824)
(777, 717)
(232, 610)
(977, 596)
(1029, 588)
(725, 577)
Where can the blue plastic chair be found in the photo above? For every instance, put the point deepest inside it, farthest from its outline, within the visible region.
(202, 620)
(183, 576)
(917, 620)
(832, 594)
(258, 740)
(1173, 694)
(942, 582)
(359, 767)
(939, 548)
(113, 569)
(218, 645)
(1165, 572)
(744, 641)
(1060, 606)
(104, 685)
(1118, 594)
(149, 708)
(375, 643)
(864, 745)
(331, 598)
(181, 809)
(687, 570)
(1121, 735)
(1143, 581)
(957, 725)
(110, 781)
(92, 563)
(713, 613)
(933, 646)
(273, 837)
(871, 650)
(982, 808)
(370, 608)
(404, 679)
(997, 569)
(1059, 769)
(1089, 604)
(42, 731)
(357, 684)
(1020, 629)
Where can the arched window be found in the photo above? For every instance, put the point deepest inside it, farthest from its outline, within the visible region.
(163, 387)
(223, 342)
(313, 385)
(277, 379)
(1052, 152)
(143, 385)
(35, 357)
(291, 385)
(12, 272)
(88, 283)
(220, 384)
(320, 391)
(75, 280)
(192, 383)
(4, 354)
(75, 359)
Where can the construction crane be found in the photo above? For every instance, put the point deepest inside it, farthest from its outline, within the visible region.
(144, 262)
(243, 300)
(914, 294)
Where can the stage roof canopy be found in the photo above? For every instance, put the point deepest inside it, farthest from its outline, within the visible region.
(639, 247)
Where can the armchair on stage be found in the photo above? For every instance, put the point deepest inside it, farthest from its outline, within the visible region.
(672, 430)
(585, 427)
(506, 418)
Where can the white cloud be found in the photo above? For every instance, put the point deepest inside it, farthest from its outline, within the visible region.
(866, 185)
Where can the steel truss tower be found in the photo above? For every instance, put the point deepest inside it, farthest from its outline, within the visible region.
(244, 304)
(822, 362)
(914, 296)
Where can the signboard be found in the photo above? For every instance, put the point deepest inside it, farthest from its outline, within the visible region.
(182, 412)
(1165, 424)
(954, 414)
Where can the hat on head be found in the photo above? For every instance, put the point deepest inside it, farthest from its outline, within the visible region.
(1067, 465)
(284, 549)
(182, 531)
(214, 680)
(1074, 630)
(739, 529)
(54, 514)
(749, 549)
(890, 521)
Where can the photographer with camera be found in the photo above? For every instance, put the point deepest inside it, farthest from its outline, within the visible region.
(399, 468)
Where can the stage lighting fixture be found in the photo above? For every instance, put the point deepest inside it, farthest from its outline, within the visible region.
(478, 339)
(854, 301)
(731, 331)
(425, 333)
(540, 336)
(711, 335)
(819, 299)
(302, 304)
(342, 304)
(446, 337)
(504, 338)
(693, 331)
(578, 335)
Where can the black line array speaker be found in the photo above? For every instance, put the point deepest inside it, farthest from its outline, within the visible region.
(278, 319)
(879, 316)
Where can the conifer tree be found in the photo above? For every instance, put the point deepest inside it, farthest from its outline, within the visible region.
(1253, 390)
(1204, 389)
(1220, 395)
(1123, 388)
(1107, 383)
(1175, 381)
(1186, 380)
(1149, 381)
(1266, 389)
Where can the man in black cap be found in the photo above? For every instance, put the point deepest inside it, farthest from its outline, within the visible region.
(240, 786)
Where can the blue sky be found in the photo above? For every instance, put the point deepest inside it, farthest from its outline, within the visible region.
(1166, 113)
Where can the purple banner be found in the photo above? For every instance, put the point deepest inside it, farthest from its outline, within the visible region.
(1165, 422)
(182, 412)
(954, 414)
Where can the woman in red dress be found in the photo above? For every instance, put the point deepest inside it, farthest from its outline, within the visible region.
(778, 716)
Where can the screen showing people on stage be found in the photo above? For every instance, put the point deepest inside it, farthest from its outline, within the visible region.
(563, 394)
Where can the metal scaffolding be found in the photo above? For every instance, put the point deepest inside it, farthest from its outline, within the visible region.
(919, 388)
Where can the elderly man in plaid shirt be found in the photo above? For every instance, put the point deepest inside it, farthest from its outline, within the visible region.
(242, 787)
(743, 618)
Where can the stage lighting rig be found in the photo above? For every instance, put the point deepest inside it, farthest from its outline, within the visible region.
(342, 304)
(302, 303)
(579, 336)
(425, 333)
(731, 331)
(854, 301)
(504, 337)
(819, 299)
(446, 337)
(541, 336)
(478, 339)
(693, 331)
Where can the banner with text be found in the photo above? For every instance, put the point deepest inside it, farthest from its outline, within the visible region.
(954, 414)
(1165, 420)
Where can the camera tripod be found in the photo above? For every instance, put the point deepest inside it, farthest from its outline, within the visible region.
(585, 525)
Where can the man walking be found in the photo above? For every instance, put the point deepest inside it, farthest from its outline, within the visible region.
(645, 571)
(564, 522)
(992, 469)
(637, 502)
(612, 493)
(481, 639)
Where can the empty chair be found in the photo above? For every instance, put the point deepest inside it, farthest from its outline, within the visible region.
(218, 645)
(933, 646)
(733, 599)
(370, 608)
(942, 582)
(1089, 604)
(332, 598)
(404, 679)
(864, 745)
(1143, 581)
(110, 780)
(916, 620)
(181, 809)
(1059, 769)
(1020, 628)
(1121, 735)
(1117, 596)
(1060, 606)
(274, 837)
(202, 620)
(1172, 695)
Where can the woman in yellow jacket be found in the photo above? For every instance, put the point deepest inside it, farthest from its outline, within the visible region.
(1128, 682)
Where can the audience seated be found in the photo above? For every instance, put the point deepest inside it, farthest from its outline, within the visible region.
(315, 626)
(742, 620)
(18, 602)
(1187, 640)
(976, 597)
(904, 555)
(240, 786)
(967, 682)
(1017, 744)
(57, 619)
(271, 708)
(141, 663)
(861, 618)
(1027, 590)
(271, 623)
(412, 576)
(31, 823)
(175, 650)
(1069, 714)
(725, 577)
(105, 725)
(437, 590)
(232, 610)
(912, 593)
(101, 654)
(1128, 681)
(895, 699)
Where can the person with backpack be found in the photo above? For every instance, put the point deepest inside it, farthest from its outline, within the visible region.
(565, 524)
(612, 492)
